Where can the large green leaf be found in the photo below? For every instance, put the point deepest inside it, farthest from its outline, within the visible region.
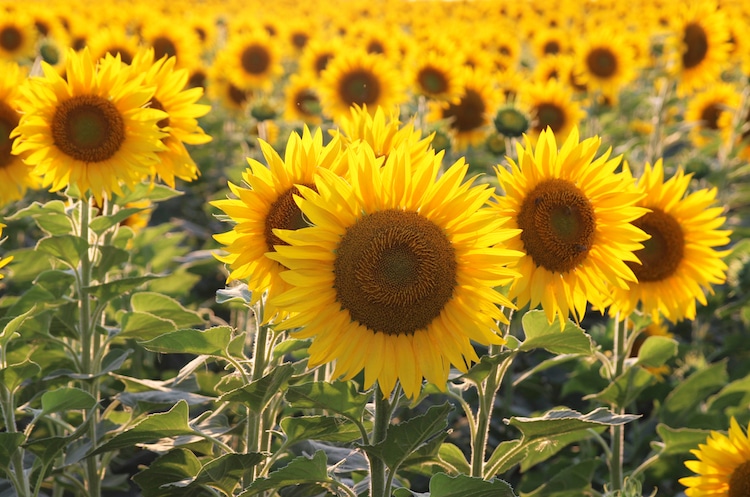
(147, 191)
(326, 428)
(109, 257)
(626, 387)
(442, 485)
(541, 334)
(172, 423)
(15, 374)
(678, 440)
(102, 223)
(66, 399)
(213, 341)
(481, 370)
(56, 282)
(258, 393)
(66, 248)
(550, 446)
(573, 482)
(176, 466)
(299, 471)
(734, 395)
(11, 326)
(9, 443)
(165, 307)
(656, 350)
(682, 402)
(144, 326)
(50, 217)
(226, 471)
(337, 397)
(403, 439)
(108, 291)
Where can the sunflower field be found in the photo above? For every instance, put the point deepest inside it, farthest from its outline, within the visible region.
(384, 248)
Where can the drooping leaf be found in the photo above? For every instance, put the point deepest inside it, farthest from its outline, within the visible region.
(236, 293)
(626, 387)
(442, 485)
(299, 471)
(402, 439)
(450, 455)
(541, 334)
(678, 440)
(213, 341)
(9, 442)
(66, 399)
(258, 393)
(479, 371)
(561, 421)
(66, 248)
(682, 401)
(174, 467)
(338, 397)
(326, 428)
(656, 350)
(172, 423)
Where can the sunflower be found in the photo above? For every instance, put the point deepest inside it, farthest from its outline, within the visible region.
(3, 262)
(723, 465)
(397, 274)
(359, 78)
(700, 46)
(437, 77)
(679, 262)
(172, 39)
(182, 111)
(229, 96)
(17, 36)
(381, 134)
(550, 41)
(302, 101)
(469, 118)
(574, 213)
(317, 54)
(15, 175)
(551, 104)
(250, 60)
(113, 41)
(606, 62)
(711, 111)
(89, 130)
(266, 205)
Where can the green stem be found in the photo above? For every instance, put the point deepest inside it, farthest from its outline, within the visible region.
(380, 428)
(618, 431)
(88, 350)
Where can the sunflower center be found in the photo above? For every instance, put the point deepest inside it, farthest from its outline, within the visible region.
(321, 62)
(299, 40)
(375, 47)
(163, 46)
(558, 224)
(10, 38)
(551, 47)
(602, 63)
(432, 80)
(88, 128)
(284, 214)
(237, 95)
(549, 114)
(394, 271)
(710, 116)
(739, 482)
(468, 113)
(156, 104)
(696, 45)
(511, 122)
(49, 53)
(359, 87)
(255, 59)
(307, 102)
(125, 55)
(8, 121)
(661, 254)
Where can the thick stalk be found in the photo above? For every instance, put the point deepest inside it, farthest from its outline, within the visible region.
(618, 431)
(379, 430)
(88, 353)
(255, 425)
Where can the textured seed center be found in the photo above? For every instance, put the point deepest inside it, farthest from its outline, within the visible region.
(255, 59)
(359, 87)
(432, 80)
(739, 482)
(696, 45)
(8, 121)
(284, 214)
(602, 63)
(662, 253)
(88, 128)
(468, 113)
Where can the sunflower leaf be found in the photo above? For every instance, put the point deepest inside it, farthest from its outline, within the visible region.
(541, 334)
(166, 308)
(50, 217)
(66, 399)
(340, 397)
(100, 224)
(573, 482)
(154, 427)
(681, 402)
(405, 438)
(625, 388)
(66, 248)
(678, 440)
(108, 291)
(213, 341)
(300, 470)
(442, 485)
(9, 443)
(325, 428)
(481, 370)
(258, 393)
(227, 470)
(147, 191)
(167, 474)
(656, 350)
(14, 375)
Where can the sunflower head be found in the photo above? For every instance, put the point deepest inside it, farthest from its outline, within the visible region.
(511, 121)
